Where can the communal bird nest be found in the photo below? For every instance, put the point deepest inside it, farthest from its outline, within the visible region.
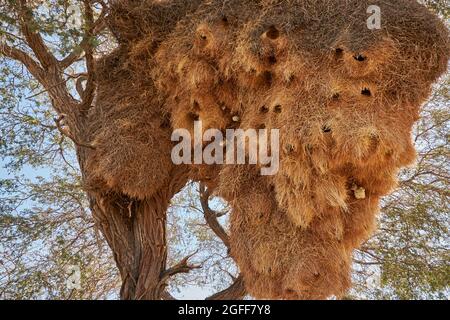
(344, 96)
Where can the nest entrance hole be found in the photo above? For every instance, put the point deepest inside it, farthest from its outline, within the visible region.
(366, 92)
(273, 33)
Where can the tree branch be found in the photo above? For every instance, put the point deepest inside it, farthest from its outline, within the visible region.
(181, 267)
(45, 68)
(165, 295)
(66, 133)
(16, 54)
(234, 292)
(34, 39)
(88, 94)
(79, 84)
(211, 216)
(95, 27)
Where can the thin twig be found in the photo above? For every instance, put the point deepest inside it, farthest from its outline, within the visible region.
(66, 133)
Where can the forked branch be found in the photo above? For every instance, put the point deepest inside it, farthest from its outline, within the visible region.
(211, 216)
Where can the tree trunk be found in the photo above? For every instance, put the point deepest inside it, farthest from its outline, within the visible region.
(136, 232)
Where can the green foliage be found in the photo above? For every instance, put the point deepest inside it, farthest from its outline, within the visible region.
(410, 252)
(440, 6)
(45, 223)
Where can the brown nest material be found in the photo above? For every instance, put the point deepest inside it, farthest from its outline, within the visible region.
(344, 97)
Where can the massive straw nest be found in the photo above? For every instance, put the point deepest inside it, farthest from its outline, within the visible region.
(344, 98)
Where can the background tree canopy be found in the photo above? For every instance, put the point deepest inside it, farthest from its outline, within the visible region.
(46, 225)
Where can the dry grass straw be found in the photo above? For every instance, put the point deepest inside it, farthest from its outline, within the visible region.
(344, 98)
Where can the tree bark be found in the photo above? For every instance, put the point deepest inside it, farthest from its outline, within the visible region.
(236, 291)
(136, 232)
